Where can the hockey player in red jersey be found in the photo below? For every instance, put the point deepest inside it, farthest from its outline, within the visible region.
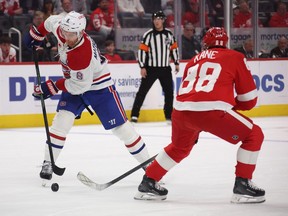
(86, 82)
(206, 102)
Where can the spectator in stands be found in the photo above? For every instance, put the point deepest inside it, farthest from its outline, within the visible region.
(10, 7)
(235, 9)
(216, 12)
(274, 4)
(281, 51)
(7, 53)
(150, 6)
(48, 47)
(167, 7)
(29, 6)
(66, 7)
(246, 48)
(130, 8)
(55, 3)
(244, 18)
(102, 20)
(280, 18)
(193, 15)
(93, 4)
(48, 8)
(190, 45)
(110, 51)
(58, 8)
(38, 18)
(170, 21)
(80, 6)
(1, 9)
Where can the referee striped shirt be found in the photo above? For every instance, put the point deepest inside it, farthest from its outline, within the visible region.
(156, 49)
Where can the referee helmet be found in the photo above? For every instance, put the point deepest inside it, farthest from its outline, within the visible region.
(159, 14)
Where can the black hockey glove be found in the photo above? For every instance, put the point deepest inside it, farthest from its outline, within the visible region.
(33, 37)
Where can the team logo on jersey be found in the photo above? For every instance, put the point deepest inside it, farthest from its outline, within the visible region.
(235, 137)
(167, 41)
(62, 103)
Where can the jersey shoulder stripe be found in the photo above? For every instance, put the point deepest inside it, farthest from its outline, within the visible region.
(104, 78)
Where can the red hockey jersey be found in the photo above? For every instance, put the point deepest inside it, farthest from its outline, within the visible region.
(213, 78)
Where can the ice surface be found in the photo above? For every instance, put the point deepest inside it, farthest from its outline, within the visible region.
(199, 186)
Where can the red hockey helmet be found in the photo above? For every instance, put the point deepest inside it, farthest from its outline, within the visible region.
(215, 36)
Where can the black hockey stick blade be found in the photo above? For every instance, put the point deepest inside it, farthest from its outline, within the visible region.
(57, 170)
(88, 182)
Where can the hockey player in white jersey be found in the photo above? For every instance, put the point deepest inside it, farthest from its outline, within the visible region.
(86, 82)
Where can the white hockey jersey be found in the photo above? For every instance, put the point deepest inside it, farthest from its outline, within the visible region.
(83, 66)
(11, 57)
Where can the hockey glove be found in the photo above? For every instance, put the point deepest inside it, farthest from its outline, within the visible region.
(47, 89)
(33, 37)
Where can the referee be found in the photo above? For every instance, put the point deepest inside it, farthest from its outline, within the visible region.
(154, 53)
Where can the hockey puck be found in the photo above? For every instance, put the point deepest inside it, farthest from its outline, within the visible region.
(55, 187)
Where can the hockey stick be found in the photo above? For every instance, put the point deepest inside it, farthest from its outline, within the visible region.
(57, 170)
(88, 182)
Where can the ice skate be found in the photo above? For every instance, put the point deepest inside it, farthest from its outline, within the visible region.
(46, 171)
(149, 189)
(168, 121)
(161, 182)
(245, 191)
(134, 119)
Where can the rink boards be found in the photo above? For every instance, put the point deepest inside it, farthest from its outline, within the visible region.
(19, 109)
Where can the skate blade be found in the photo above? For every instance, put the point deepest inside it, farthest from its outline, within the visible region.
(148, 196)
(245, 199)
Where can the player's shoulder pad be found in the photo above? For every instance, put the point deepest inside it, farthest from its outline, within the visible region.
(80, 57)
